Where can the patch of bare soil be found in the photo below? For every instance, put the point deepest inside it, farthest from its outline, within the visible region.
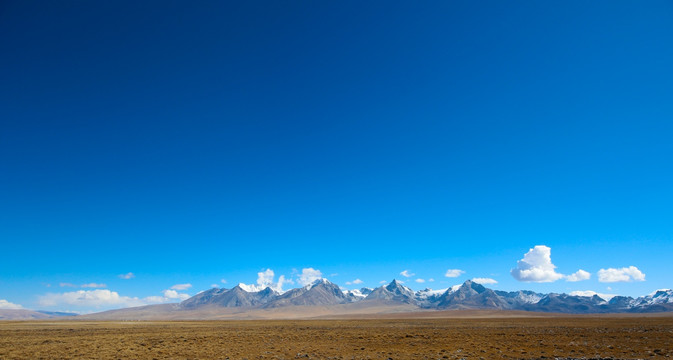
(507, 338)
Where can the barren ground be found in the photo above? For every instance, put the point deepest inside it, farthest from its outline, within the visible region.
(448, 338)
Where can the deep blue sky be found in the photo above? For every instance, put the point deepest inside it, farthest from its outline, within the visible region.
(192, 142)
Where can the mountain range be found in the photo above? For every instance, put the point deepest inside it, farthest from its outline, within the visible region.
(323, 298)
(469, 295)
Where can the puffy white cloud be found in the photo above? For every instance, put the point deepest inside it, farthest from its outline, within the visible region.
(4, 304)
(590, 293)
(420, 281)
(625, 274)
(265, 279)
(536, 266)
(172, 294)
(485, 281)
(127, 276)
(354, 282)
(309, 275)
(94, 285)
(407, 274)
(181, 286)
(453, 273)
(580, 275)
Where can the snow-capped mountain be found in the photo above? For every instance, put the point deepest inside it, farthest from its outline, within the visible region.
(469, 295)
(394, 291)
(320, 292)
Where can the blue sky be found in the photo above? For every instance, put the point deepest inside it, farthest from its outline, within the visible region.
(189, 143)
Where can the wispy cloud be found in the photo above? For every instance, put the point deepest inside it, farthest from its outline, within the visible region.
(94, 285)
(485, 281)
(625, 274)
(127, 276)
(354, 282)
(181, 286)
(65, 284)
(453, 273)
(420, 281)
(407, 273)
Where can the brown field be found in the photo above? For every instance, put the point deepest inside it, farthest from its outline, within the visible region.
(446, 338)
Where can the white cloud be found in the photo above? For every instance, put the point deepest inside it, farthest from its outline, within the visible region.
(265, 279)
(383, 282)
(625, 274)
(4, 304)
(536, 266)
(309, 275)
(354, 282)
(452, 273)
(282, 281)
(93, 285)
(590, 293)
(181, 286)
(213, 285)
(431, 280)
(172, 294)
(223, 281)
(407, 274)
(580, 275)
(65, 284)
(420, 281)
(89, 298)
(105, 298)
(484, 281)
(127, 276)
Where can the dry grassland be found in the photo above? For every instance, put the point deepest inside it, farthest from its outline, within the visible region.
(511, 338)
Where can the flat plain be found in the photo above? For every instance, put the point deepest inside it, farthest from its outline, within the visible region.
(467, 337)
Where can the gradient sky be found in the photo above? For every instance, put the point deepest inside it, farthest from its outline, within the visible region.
(188, 143)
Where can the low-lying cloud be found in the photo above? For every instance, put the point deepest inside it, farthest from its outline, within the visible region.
(4, 304)
(105, 298)
(625, 274)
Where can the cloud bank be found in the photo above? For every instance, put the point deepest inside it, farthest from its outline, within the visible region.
(105, 298)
